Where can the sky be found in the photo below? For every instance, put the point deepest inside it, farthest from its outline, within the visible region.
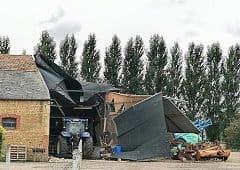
(199, 21)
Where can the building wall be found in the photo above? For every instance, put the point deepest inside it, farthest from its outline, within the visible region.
(32, 128)
(123, 99)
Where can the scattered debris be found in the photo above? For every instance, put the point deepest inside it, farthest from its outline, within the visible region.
(199, 151)
(214, 152)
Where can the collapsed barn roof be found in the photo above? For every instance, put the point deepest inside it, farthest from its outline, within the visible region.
(176, 121)
(93, 91)
(142, 129)
(20, 79)
(62, 87)
(68, 90)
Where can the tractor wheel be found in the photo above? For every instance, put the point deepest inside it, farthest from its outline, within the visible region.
(87, 148)
(62, 147)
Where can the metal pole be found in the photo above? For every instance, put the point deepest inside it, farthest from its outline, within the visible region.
(80, 153)
(104, 124)
(8, 158)
(77, 157)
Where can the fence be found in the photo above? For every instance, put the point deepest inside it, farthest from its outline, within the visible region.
(19, 153)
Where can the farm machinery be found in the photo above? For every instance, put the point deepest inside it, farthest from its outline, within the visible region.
(73, 130)
(198, 151)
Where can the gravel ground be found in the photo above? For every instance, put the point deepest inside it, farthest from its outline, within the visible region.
(60, 164)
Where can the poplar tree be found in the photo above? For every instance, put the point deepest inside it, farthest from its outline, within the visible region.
(133, 66)
(193, 83)
(46, 47)
(24, 52)
(68, 48)
(90, 66)
(231, 85)
(174, 72)
(4, 45)
(113, 62)
(213, 93)
(155, 78)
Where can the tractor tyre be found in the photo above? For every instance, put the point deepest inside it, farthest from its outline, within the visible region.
(62, 147)
(87, 147)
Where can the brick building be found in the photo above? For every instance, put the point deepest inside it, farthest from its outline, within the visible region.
(122, 101)
(24, 103)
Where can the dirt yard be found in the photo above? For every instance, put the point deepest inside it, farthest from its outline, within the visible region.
(232, 163)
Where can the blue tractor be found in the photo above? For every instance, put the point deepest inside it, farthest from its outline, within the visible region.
(74, 129)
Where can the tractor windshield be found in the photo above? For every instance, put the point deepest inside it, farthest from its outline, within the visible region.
(74, 127)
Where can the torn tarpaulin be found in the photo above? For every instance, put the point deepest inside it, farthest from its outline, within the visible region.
(142, 129)
(93, 91)
(63, 88)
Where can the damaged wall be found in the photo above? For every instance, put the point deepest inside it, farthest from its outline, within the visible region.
(122, 100)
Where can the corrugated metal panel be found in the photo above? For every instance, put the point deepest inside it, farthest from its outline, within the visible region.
(142, 131)
(142, 128)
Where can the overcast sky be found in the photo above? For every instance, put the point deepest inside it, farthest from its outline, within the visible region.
(200, 21)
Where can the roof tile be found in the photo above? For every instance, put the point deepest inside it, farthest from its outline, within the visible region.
(17, 62)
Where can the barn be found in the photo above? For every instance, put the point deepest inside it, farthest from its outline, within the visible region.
(24, 104)
(37, 94)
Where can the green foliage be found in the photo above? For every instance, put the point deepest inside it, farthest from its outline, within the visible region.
(231, 84)
(68, 48)
(212, 92)
(193, 83)
(2, 133)
(155, 78)
(90, 67)
(174, 72)
(46, 47)
(133, 66)
(232, 133)
(4, 45)
(113, 61)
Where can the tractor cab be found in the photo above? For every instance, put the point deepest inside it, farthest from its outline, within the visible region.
(73, 130)
(75, 127)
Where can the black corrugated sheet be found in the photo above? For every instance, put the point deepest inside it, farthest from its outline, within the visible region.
(142, 129)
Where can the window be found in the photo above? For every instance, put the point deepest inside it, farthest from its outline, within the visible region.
(9, 123)
(111, 106)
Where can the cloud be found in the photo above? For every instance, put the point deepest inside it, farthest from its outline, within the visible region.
(233, 29)
(61, 30)
(55, 17)
(180, 2)
(189, 34)
(157, 3)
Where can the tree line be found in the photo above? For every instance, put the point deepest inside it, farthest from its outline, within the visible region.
(208, 82)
